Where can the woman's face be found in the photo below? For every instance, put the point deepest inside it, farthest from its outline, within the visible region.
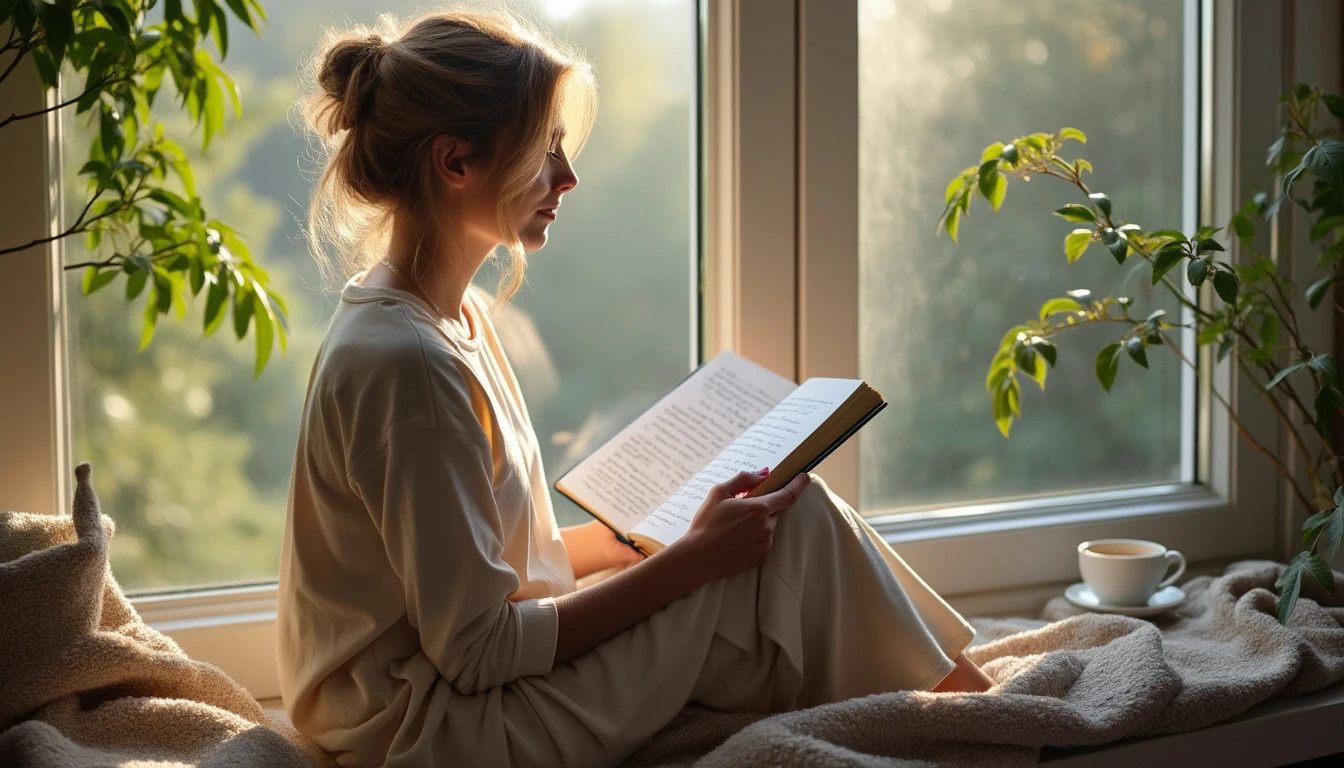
(478, 194)
(540, 206)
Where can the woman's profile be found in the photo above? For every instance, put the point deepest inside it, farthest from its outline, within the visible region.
(429, 612)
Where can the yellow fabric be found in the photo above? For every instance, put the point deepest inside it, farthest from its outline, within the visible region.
(421, 555)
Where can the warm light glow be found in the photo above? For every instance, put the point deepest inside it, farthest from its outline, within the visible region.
(1035, 51)
(118, 407)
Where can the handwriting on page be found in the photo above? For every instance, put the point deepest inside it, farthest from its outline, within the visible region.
(772, 438)
(653, 457)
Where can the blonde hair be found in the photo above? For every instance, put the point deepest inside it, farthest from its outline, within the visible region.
(378, 96)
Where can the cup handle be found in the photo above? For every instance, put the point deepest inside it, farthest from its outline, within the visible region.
(1179, 559)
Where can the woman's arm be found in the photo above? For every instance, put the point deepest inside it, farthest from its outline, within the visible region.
(593, 547)
(727, 535)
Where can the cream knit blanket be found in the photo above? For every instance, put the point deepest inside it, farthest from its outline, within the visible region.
(1081, 680)
(83, 681)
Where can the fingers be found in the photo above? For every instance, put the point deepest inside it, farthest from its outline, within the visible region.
(739, 483)
(785, 497)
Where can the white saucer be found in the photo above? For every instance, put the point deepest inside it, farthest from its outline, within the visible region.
(1163, 600)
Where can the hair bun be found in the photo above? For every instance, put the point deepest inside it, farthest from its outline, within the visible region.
(348, 75)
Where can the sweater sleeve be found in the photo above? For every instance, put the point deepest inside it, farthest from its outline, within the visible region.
(429, 490)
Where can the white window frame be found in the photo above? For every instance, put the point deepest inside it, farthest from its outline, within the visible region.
(780, 205)
(1005, 555)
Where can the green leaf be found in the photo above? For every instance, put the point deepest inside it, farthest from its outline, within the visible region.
(264, 331)
(151, 316)
(992, 152)
(1211, 332)
(1167, 257)
(1054, 306)
(951, 221)
(1275, 148)
(1324, 530)
(1047, 350)
(1245, 229)
(1269, 331)
(215, 301)
(95, 279)
(1321, 571)
(1196, 271)
(1076, 212)
(1225, 348)
(1316, 291)
(1108, 364)
(1326, 366)
(1009, 154)
(1115, 243)
(954, 188)
(1325, 224)
(242, 311)
(1076, 242)
(1225, 283)
(1072, 133)
(1281, 375)
(998, 189)
(1206, 245)
(135, 283)
(1289, 585)
(1102, 202)
(1026, 360)
(1168, 236)
(1135, 348)
(1326, 160)
(58, 27)
(1334, 103)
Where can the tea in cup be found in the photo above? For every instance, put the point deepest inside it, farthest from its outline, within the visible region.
(1127, 571)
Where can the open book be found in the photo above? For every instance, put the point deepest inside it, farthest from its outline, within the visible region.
(728, 416)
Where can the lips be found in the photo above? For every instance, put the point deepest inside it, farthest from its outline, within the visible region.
(548, 212)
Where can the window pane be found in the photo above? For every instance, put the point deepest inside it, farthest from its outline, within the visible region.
(939, 80)
(192, 456)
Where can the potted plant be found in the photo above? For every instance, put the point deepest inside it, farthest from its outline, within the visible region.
(1250, 316)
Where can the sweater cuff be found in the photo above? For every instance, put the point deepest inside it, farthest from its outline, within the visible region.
(539, 621)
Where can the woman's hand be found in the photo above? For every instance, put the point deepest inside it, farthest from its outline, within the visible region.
(593, 547)
(730, 534)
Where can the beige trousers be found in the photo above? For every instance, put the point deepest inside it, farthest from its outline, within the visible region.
(833, 613)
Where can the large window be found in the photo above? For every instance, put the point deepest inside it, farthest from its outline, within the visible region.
(192, 456)
(938, 80)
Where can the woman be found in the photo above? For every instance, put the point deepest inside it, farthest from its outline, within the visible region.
(428, 605)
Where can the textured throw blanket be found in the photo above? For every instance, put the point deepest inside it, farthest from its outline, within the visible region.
(1071, 679)
(83, 681)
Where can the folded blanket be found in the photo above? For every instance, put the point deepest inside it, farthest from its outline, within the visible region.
(83, 681)
(1080, 680)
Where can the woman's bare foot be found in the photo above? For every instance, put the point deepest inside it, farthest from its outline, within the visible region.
(966, 678)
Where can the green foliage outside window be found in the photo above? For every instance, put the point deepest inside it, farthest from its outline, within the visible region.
(139, 211)
(1255, 322)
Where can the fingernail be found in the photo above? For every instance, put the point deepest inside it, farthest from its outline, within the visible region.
(764, 472)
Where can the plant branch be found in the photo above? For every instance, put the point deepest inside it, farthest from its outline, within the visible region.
(80, 225)
(1245, 433)
(104, 83)
(18, 56)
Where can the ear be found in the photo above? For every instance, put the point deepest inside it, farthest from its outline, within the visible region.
(451, 158)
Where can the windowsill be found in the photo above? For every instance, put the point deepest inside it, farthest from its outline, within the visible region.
(1271, 733)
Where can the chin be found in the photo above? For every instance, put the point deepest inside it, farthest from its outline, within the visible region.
(534, 241)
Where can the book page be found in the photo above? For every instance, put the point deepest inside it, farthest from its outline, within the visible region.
(765, 444)
(649, 460)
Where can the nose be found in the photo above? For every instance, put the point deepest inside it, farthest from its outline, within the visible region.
(565, 178)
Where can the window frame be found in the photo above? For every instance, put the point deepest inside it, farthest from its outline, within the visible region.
(779, 137)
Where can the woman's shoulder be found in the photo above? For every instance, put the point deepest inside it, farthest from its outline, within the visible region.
(382, 365)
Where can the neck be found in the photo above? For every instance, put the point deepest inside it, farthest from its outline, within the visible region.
(442, 270)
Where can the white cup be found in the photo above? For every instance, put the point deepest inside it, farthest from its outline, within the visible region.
(1127, 571)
